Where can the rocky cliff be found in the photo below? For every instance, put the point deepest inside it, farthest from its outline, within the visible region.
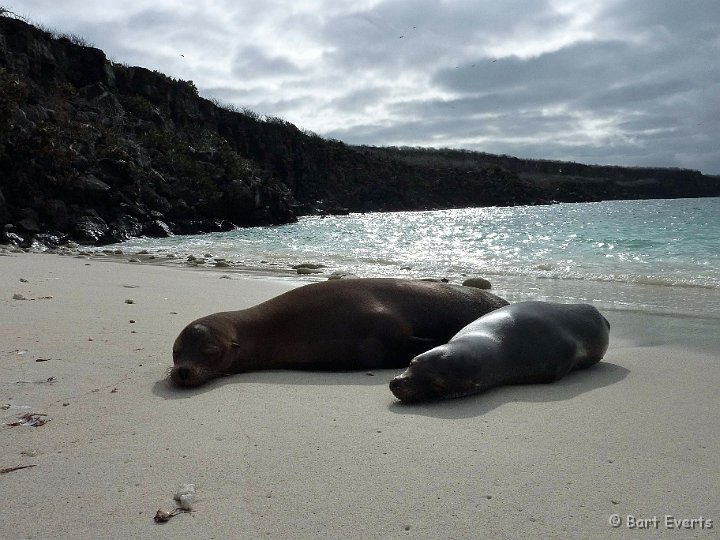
(98, 151)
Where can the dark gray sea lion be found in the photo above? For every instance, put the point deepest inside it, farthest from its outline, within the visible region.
(333, 325)
(523, 343)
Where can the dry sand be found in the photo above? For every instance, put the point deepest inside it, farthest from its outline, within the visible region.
(317, 455)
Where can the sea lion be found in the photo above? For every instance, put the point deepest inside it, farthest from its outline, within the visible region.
(523, 343)
(333, 325)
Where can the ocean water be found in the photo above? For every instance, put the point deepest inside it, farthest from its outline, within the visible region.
(650, 255)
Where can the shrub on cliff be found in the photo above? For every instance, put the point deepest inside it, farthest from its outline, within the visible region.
(13, 92)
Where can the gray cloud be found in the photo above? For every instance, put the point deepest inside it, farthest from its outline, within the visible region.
(253, 61)
(631, 82)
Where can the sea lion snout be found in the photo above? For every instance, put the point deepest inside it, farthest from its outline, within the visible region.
(400, 387)
(410, 389)
(413, 384)
(406, 390)
(189, 375)
(180, 375)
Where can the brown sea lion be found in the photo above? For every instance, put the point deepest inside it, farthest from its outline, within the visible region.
(333, 325)
(523, 343)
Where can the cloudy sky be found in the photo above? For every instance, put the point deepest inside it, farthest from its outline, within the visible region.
(628, 82)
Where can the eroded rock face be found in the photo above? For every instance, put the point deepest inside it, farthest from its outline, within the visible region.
(96, 152)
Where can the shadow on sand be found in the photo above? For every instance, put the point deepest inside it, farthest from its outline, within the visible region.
(572, 385)
(164, 388)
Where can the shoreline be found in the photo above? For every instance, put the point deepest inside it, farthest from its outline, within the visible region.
(694, 301)
(316, 454)
(682, 329)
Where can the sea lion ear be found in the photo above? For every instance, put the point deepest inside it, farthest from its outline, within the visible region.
(235, 344)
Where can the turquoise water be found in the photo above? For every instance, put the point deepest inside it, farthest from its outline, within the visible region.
(659, 255)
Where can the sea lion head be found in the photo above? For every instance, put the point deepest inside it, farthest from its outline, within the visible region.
(205, 349)
(436, 374)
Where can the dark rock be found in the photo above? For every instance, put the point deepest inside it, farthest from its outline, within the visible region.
(88, 211)
(311, 266)
(308, 271)
(89, 230)
(226, 226)
(29, 225)
(14, 239)
(137, 210)
(28, 52)
(155, 202)
(157, 229)
(93, 91)
(119, 171)
(4, 213)
(327, 207)
(209, 156)
(37, 114)
(91, 183)
(50, 240)
(19, 63)
(181, 210)
(57, 214)
(342, 275)
(29, 221)
(109, 104)
(124, 228)
(239, 200)
(478, 283)
(80, 163)
(84, 66)
(211, 207)
(194, 227)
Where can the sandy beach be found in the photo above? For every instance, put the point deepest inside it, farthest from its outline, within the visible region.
(331, 455)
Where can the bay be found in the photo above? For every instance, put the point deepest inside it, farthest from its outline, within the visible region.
(655, 255)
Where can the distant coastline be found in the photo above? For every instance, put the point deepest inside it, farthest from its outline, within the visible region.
(98, 152)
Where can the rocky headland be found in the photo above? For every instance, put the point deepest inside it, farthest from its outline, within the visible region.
(96, 152)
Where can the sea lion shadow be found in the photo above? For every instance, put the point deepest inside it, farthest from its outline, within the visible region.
(572, 385)
(164, 388)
